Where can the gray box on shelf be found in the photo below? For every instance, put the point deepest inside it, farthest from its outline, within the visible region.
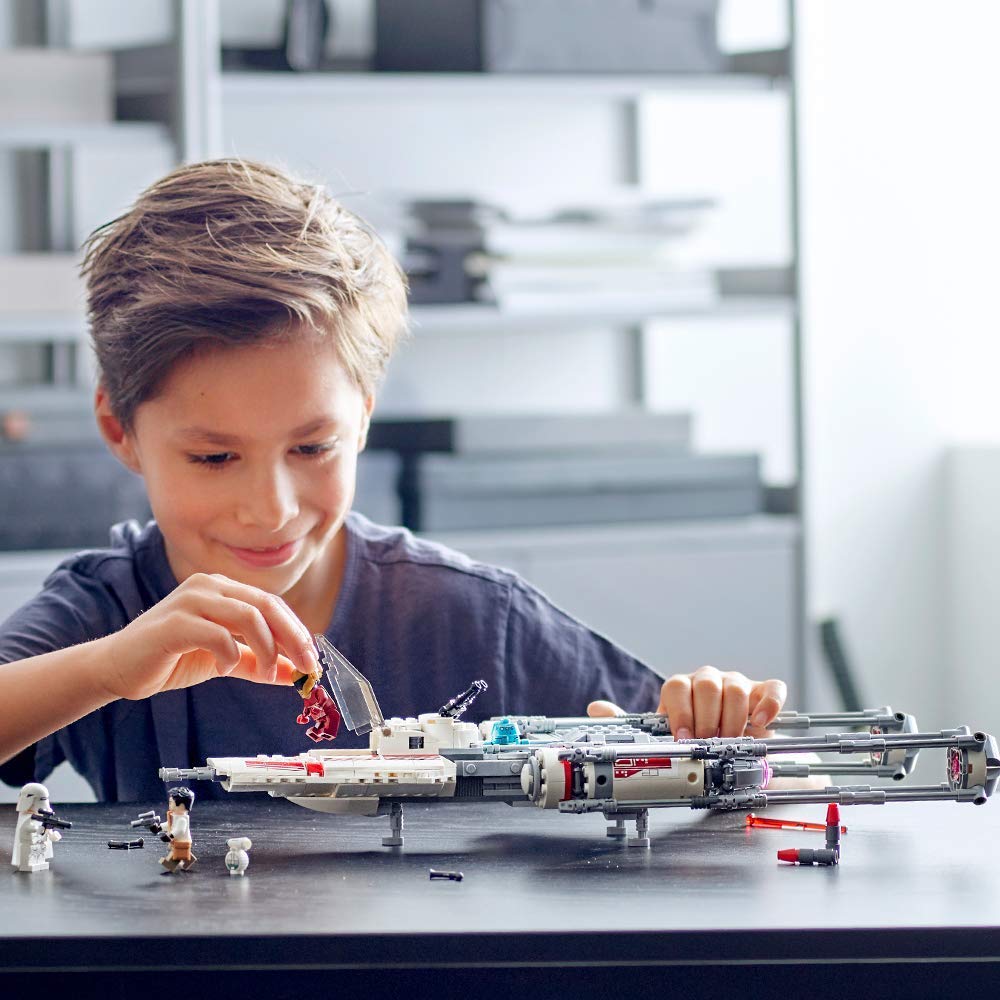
(60, 487)
(64, 495)
(548, 36)
(528, 434)
(55, 86)
(604, 36)
(455, 493)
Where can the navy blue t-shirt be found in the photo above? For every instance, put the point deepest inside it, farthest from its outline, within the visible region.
(419, 620)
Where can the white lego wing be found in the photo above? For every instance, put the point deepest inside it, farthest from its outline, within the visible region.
(339, 780)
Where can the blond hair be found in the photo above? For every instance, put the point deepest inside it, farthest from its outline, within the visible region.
(233, 252)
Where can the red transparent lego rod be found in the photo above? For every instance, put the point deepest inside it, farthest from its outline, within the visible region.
(785, 824)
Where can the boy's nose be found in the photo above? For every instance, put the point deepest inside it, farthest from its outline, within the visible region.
(271, 501)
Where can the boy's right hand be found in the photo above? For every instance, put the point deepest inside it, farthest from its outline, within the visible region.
(210, 626)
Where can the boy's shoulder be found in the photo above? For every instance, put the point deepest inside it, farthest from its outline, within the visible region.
(125, 578)
(128, 543)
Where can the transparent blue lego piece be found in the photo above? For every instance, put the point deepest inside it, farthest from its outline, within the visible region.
(504, 731)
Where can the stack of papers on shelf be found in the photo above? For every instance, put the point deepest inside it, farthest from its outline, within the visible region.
(606, 285)
(601, 257)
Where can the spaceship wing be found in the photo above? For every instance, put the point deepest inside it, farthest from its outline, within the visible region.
(352, 691)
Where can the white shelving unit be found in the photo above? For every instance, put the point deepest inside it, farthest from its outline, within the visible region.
(478, 86)
(58, 136)
(55, 170)
(549, 137)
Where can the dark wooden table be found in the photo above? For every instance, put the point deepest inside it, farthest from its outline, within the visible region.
(548, 904)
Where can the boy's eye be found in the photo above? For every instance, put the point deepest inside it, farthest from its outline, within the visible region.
(319, 448)
(215, 459)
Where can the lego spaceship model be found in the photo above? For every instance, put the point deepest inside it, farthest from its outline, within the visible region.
(621, 767)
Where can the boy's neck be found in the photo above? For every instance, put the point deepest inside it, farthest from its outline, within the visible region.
(314, 597)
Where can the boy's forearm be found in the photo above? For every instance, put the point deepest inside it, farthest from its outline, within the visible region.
(43, 693)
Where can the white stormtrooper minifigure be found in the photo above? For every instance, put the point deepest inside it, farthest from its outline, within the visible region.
(237, 859)
(32, 842)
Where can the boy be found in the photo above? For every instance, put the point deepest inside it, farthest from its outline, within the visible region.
(242, 320)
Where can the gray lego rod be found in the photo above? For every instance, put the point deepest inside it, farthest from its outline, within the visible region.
(188, 774)
(857, 795)
(850, 795)
(881, 718)
(800, 770)
(745, 746)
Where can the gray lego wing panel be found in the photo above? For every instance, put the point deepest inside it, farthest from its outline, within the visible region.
(353, 692)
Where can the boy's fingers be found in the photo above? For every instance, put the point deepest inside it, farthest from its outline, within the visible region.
(247, 625)
(282, 626)
(218, 643)
(604, 709)
(767, 698)
(247, 669)
(675, 703)
(706, 700)
(735, 704)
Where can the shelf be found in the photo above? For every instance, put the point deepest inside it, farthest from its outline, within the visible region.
(471, 318)
(468, 318)
(473, 86)
(749, 531)
(39, 327)
(100, 133)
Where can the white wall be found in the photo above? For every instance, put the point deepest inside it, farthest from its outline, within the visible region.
(900, 165)
(973, 546)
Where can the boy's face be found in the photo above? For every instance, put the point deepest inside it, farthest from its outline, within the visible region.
(249, 456)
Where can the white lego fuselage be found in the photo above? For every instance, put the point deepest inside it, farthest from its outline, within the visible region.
(402, 762)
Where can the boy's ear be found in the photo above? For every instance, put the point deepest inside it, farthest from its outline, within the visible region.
(366, 419)
(120, 441)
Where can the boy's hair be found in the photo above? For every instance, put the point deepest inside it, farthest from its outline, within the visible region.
(232, 252)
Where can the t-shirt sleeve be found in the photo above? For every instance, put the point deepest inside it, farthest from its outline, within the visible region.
(558, 665)
(70, 609)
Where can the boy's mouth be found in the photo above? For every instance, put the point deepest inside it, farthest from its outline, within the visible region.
(271, 556)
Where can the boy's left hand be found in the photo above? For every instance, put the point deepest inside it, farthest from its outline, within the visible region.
(709, 702)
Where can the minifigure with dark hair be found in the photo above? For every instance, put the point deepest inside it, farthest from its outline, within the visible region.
(178, 830)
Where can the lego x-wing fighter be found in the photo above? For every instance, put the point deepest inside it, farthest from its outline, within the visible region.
(621, 766)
